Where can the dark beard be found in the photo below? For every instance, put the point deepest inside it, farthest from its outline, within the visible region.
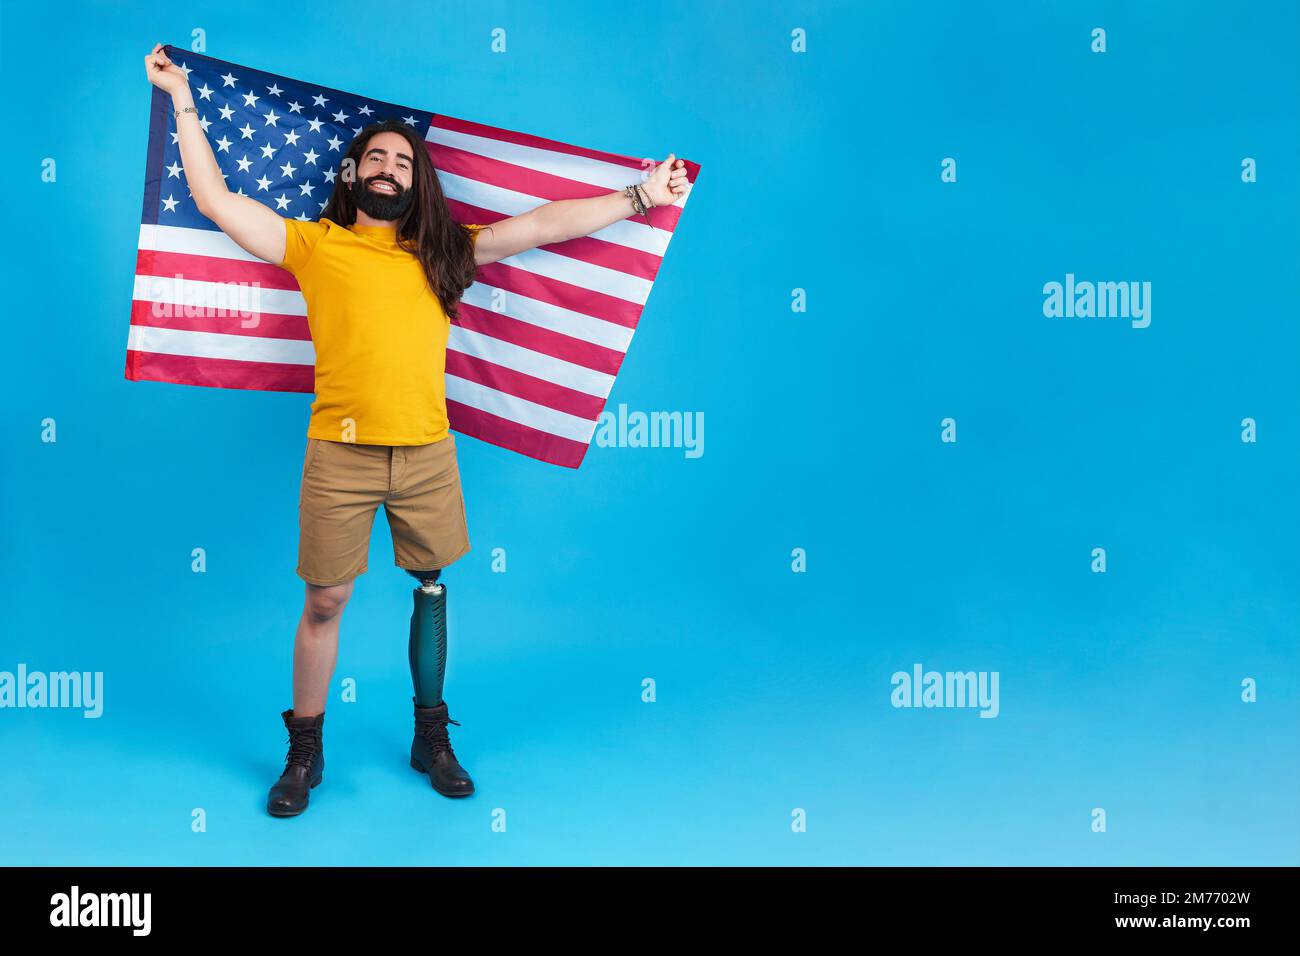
(377, 206)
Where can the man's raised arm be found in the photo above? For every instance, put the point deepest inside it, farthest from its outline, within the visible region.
(254, 226)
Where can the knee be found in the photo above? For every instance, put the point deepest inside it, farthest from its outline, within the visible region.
(426, 578)
(325, 604)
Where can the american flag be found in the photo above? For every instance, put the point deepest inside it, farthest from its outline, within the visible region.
(541, 335)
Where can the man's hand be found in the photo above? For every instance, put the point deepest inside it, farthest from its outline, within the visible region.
(164, 74)
(668, 182)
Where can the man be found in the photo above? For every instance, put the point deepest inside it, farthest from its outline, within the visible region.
(382, 273)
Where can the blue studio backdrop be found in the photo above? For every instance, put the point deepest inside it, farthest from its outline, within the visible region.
(913, 461)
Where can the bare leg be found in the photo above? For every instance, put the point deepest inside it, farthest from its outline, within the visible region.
(316, 647)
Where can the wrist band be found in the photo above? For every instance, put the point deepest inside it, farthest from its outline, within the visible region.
(185, 109)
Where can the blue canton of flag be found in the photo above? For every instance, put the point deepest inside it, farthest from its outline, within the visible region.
(277, 140)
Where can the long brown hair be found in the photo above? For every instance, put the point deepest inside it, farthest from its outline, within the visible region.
(426, 230)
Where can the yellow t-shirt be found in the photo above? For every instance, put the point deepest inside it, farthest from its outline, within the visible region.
(379, 332)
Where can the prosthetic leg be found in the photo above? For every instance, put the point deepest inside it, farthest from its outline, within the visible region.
(431, 751)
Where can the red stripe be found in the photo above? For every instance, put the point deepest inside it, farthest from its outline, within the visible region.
(528, 387)
(513, 436)
(269, 325)
(529, 336)
(219, 373)
(538, 183)
(523, 139)
(599, 252)
(566, 295)
(200, 268)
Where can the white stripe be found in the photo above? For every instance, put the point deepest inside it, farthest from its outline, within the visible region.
(216, 345)
(520, 359)
(588, 275)
(545, 315)
(197, 242)
(242, 299)
(625, 232)
(583, 169)
(519, 410)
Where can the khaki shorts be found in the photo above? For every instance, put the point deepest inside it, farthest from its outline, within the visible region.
(343, 484)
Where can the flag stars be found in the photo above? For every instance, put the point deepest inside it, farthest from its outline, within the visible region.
(246, 131)
(223, 145)
(204, 92)
(315, 125)
(274, 89)
(174, 170)
(334, 142)
(281, 202)
(287, 171)
(244, 164)
(226, 113)
(319, 100)
(263, 184)
(295, 107)
(204, 122)
(408, 120)
(340, 117)
(227, 79)
(329, 175)
(268, 151)
(291, 138)
(306, 189)
(271, 118)
(250, 99)
(365, 111)
(310, 156)
(170, 203)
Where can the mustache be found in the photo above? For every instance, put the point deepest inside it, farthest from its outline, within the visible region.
(381, 178)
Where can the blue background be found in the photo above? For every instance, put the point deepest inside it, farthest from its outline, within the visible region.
(821, 172)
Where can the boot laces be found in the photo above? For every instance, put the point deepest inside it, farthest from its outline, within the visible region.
(435, 732)
(303, 746)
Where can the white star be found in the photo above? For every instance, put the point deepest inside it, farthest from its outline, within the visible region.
(173, 170)
(227, 79)
(319, 100)
(295, 107)
(365, 111)
(170, 203)
(329, 175)
(241, 191)
(302, 216)
(244, 164)
(340, 116)
(250, 99)
(315, 125)
(274, 89)
(324, 204)
(334, 142)
(357, 131)
(282, 202)
(287, 171)
(186, 70)
(310, 156)
(409, 120)
(203, 121)
(291, 138)
(205, 92)
(271, 118)
(223, 144)
(306, 189)
(268, 151)
(176, 138)
(247, 131)
(263, 183)
(226, 113)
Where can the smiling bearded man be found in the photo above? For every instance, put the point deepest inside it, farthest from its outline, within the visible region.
(382, 273)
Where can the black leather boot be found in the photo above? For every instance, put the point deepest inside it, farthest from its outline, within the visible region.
(303, 767)
(431, 752)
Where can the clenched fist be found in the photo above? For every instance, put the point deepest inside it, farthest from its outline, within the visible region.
(164, 74)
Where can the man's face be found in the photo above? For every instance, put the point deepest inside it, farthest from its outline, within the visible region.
(385, 173)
